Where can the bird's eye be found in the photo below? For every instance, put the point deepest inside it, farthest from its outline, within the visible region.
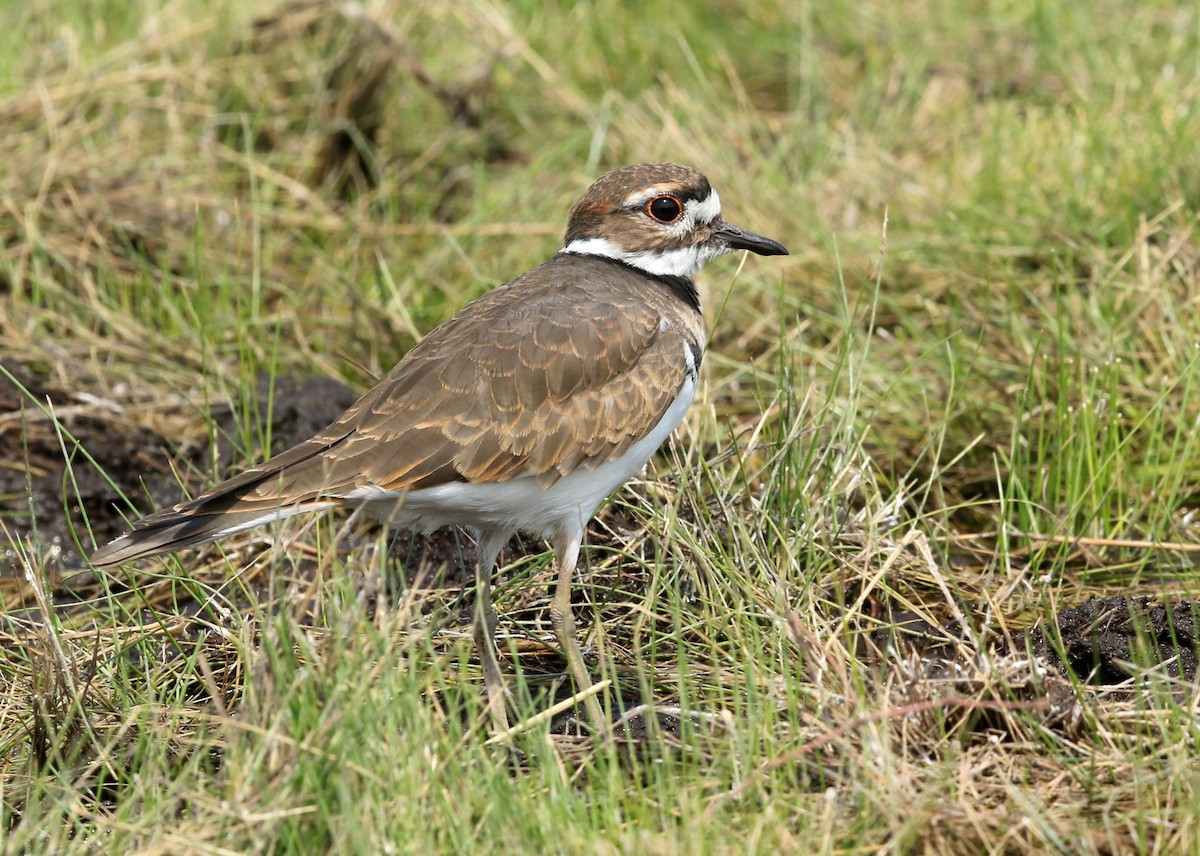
(664, 209)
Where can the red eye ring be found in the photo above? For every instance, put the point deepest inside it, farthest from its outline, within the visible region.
(665, 209)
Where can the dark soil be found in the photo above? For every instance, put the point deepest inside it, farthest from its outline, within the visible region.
(46, 503)
(40, 503)
(1102, 642)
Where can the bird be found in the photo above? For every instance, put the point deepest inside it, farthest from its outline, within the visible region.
(522, 412)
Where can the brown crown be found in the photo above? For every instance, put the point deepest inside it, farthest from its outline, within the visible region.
(590, 215)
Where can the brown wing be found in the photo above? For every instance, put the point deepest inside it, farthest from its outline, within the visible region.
(539, 377)
(555, 370)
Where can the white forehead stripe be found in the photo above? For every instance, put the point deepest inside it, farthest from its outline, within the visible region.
(703, 210)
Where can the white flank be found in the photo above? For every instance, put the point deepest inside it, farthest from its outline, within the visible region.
(523, 503)
(693, 370)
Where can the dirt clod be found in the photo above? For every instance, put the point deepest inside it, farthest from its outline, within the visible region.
(1102, 641)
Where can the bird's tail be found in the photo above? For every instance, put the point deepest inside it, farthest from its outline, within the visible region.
(290, 483)
(172, 530)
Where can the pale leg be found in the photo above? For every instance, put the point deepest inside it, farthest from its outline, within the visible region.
(485, 628)
(566, 550)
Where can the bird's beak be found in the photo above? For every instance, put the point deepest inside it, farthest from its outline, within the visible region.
(740, 239)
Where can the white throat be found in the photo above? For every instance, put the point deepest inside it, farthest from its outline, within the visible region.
(685, 261)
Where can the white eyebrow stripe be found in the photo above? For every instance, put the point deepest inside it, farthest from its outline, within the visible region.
(637, 200)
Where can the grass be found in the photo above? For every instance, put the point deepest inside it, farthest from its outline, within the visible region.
(964, 405)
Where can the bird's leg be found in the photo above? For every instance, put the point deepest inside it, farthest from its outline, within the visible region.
(485, 631)
(567, 553)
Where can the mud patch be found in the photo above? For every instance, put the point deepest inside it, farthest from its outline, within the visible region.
(50, 493)
(1104, 642)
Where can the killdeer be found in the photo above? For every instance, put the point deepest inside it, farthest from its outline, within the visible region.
(522, 412)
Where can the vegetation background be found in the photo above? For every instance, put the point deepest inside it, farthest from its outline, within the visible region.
(876, 596)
